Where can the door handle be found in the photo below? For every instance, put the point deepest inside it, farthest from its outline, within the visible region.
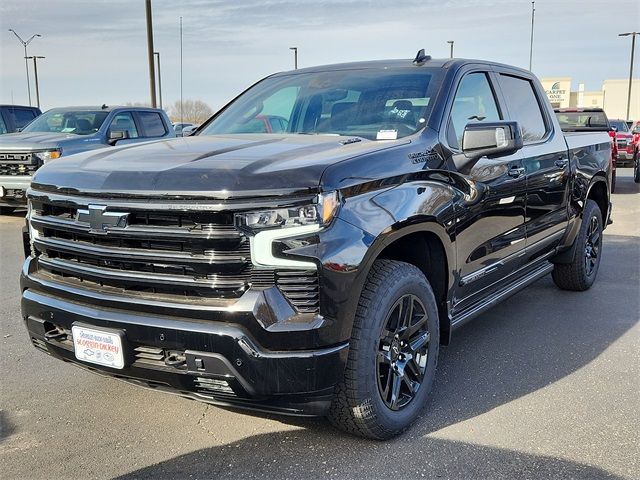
(516, 172)
(561, 162)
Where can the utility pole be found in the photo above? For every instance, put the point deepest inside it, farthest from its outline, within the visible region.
(295, 57)
(451, 42)
(533, 16)
(35, 74)
(157, 55)
(633, 48)
(181, 117)
(152, 79)
(26, 61)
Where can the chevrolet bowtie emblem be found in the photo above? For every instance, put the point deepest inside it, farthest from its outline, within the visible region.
(99, 219)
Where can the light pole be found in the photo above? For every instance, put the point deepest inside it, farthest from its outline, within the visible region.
(633, 48)
(157, 55)
(26, 61)
(451, 42)
(35, 74)
(295, 57)
(181, 116)
(533, 16)
(152, 71)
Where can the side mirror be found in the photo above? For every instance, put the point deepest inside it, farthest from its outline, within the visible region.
(188, 131)
(614, 129)
(494, 139)
(115, 135)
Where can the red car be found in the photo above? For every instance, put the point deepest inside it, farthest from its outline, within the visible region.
(624, 142)
(635, 131)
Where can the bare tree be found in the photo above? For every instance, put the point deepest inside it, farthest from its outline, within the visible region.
(193, 111)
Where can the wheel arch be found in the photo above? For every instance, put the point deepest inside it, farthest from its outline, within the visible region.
(427, 246)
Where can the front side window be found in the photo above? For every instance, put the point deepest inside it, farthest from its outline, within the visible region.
(152, 124)
(373, 103)
(3, 127)
(123, 122)
(474, 102)
(81, 122)
(524, 107)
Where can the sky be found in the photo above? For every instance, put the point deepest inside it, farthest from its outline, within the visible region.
(96, 50)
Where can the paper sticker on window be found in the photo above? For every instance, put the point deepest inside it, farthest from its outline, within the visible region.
(387, 135)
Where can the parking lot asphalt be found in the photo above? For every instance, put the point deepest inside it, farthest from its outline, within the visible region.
(546, 385)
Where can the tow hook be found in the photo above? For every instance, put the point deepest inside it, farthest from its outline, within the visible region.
(56, 334)
(175, 359)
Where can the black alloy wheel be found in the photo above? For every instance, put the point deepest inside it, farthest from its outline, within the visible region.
(402, 352)
(592, 246)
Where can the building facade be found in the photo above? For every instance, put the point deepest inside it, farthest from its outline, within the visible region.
(612, 98)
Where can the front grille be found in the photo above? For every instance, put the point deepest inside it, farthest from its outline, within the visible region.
(16, 170)
(174, 254)
(17, 164)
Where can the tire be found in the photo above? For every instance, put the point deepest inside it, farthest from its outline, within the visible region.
(580, 274)
(6, 210)
(366, 403)
(636, 175)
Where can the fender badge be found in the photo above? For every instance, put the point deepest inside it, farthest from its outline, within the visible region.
(422, 157)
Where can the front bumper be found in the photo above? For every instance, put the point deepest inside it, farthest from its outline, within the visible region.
(217, 361)
(13, 191)
(625, 158)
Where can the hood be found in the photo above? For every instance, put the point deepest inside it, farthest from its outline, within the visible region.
(33, 140)
(215, 166)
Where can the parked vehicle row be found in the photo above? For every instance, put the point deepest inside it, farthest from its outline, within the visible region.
(315, 269)
(61, 132)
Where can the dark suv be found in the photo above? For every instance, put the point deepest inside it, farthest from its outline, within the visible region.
(315, 270)
(13, 118)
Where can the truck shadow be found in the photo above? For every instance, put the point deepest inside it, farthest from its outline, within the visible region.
(532, 340)
(318, 454)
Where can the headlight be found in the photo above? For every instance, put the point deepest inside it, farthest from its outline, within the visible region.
(267, 226)
(47, 155)
(320, 213)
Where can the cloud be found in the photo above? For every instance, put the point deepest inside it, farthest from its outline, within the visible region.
(96, 50)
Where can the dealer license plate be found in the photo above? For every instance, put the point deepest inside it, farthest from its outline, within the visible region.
(97, 346)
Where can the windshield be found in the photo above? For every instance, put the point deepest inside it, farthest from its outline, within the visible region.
(374, 104)
(81, 122)
(620, 125)
(594, 119)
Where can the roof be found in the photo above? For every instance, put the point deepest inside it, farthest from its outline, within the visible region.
(398, 63)
(104, 108)
(17, 106)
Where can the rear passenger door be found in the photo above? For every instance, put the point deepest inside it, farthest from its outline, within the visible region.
(545, 160)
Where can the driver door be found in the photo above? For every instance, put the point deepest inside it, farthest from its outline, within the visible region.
(490, 212)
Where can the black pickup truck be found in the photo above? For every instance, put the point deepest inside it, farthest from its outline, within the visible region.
(315, 271)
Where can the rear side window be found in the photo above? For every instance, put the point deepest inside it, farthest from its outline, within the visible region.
(152, 124)
(474, 102)
(524, 107)
(22, 116)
